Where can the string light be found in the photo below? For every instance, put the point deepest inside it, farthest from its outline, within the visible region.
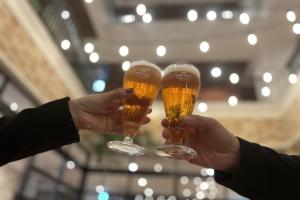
(148, 192)
(202, 107)
(204, 185)
(94, 57)
(291, 16)
(89, 47)
(211, 15)
(70, 164)
(192, 15)
(233, 101)
(204, 47)
(216, 72)
(244, 18)
(197, 180)
(293, 79)
(103, 196)
(128, 19)
(234, 78)
(252, 39)
(200, 195)
(147, 18)
(186, 192)
(14, 106)
(184, 180)
(203, 172)
(100, 188)
(157, 167)
(142, 182)
(172, 198)
(125, 65)
(65, 14)
(133, 167)
(267, 77)
(89, 1)
(65, 44)
(99, 86)
(161, 50)
(265, 91)
(210, 172)
(296, 28)
(141, 9)
(227, 14)
(123, 51)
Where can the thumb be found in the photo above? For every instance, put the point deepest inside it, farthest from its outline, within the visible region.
(119, 94)
(196, 121)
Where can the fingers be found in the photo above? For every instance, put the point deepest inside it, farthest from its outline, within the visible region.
(196, 121)
(167, 133)
(119, 94)
(165, 123)
(146, 120)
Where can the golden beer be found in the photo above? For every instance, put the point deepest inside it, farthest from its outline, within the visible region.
(180, 90)
(145, 79)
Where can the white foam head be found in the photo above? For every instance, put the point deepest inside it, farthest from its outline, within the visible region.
(144, 63)
(182, 67)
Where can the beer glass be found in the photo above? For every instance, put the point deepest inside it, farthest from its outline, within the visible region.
(180, 90)
(145, 79)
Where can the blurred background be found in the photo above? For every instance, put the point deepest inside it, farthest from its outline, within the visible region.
(246, 50)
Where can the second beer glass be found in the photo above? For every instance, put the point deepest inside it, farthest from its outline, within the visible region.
(180, 90)
(145, 79)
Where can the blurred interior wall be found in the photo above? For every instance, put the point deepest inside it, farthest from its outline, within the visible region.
(32, 56)
(23, 45)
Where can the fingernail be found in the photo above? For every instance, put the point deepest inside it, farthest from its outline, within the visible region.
(129, 90)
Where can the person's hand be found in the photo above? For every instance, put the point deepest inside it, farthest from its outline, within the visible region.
(216, 147)
(101, 112)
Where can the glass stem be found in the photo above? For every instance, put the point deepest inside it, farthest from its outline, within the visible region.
(128, 139)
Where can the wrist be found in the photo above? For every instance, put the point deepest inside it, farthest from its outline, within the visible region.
(235, 157)
(74, 114)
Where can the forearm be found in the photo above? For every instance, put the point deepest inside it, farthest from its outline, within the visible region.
(262, 173)
(36, 130)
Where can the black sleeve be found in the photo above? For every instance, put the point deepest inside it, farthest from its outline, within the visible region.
(263, 173)
(36, 130)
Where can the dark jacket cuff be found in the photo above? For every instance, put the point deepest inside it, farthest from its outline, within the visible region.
(243, 179)
(37, 130)
(58, 122)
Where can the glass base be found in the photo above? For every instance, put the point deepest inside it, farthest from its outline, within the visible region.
(126, 147)
(176, 151)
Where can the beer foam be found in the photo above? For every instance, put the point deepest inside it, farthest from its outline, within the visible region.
(144, 63)
(182, 67)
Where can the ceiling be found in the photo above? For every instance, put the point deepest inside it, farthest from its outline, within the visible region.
(100, 23)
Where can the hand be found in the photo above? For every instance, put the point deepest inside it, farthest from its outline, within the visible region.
(216, 147)
(100, 112)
